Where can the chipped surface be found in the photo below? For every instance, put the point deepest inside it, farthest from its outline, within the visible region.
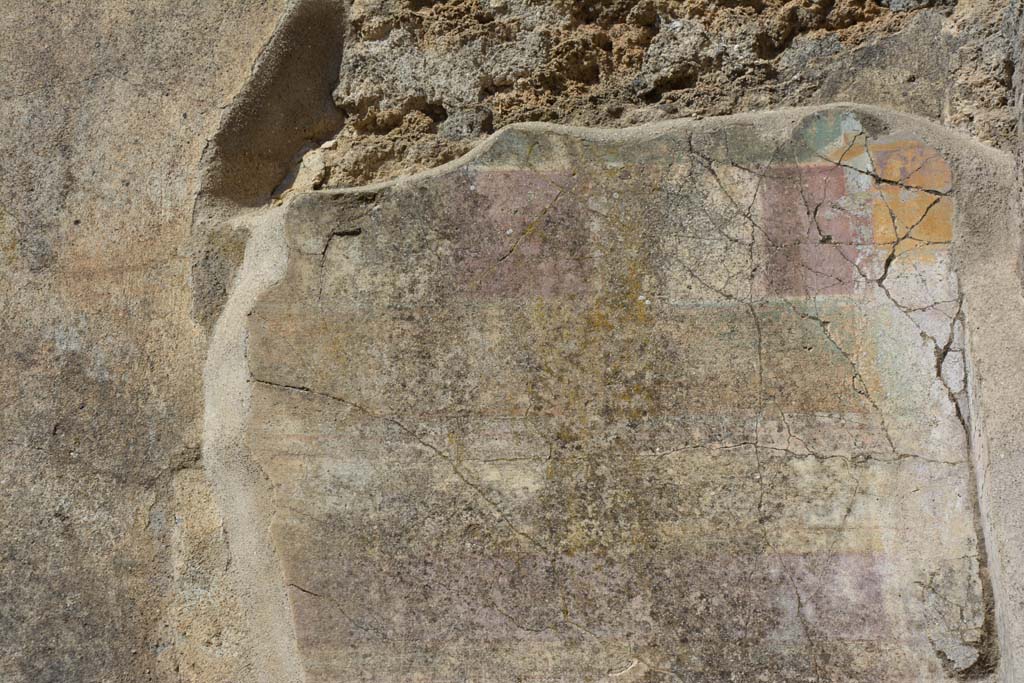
(421, 81)
(678, 405)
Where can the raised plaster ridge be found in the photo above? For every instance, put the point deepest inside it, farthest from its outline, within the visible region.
(242, 489)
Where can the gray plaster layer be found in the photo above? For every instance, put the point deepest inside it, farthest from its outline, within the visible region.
(992, 283)
(107, 106)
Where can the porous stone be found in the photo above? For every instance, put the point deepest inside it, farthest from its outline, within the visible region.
(422, 82)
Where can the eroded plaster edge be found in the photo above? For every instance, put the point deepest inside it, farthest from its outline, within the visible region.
(243, 492)
(994, 335)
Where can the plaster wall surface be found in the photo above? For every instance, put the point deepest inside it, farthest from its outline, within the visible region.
(158, 155)
(682, 402)
(111, 549)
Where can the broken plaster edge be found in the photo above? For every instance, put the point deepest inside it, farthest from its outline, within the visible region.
(947, 140)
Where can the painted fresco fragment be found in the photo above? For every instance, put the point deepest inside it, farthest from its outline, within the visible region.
(689, 408)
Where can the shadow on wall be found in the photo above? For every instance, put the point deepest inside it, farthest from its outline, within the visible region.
(285, 107)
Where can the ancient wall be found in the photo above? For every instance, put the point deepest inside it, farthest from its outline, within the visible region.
(686, 402)
(700, 399)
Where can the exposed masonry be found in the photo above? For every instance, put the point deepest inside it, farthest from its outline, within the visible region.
(422, 82)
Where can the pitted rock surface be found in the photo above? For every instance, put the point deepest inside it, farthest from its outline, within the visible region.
(421, 82)
(682, 404)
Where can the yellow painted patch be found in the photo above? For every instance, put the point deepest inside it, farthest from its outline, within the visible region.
(913, 220)
(911, 163)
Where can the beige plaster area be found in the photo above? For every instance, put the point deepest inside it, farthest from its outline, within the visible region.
(680, 402)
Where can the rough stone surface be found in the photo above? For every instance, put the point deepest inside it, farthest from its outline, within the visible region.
(422, 82)
(686, 403)
(999, 449)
